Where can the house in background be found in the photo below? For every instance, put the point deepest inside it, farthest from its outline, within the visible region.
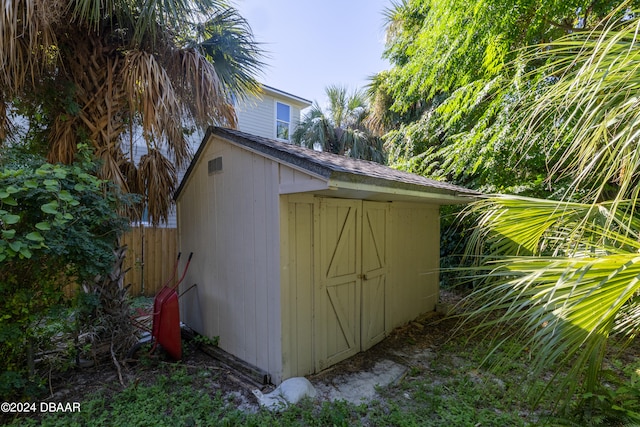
(152, 250)
(273, 114)
(304, 258)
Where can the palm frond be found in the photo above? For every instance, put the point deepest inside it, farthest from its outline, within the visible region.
(151, 94)
(135, 185)
(566, 309)
(26, 38)
(592, 105)
(338, 103)
(159, 177)
(109, 156)
(197, 81)
(511, 225)
(568, 273)
(343, 128)
(226, 40)
(96, 68)
(314, 129)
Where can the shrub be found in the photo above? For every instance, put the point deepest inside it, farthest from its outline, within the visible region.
(59, 224)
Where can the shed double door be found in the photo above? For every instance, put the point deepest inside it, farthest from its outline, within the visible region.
(352, 259)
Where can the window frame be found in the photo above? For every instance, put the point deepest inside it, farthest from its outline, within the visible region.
(277, 121)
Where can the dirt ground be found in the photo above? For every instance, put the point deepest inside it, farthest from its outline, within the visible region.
(354, 379)
(410, 348)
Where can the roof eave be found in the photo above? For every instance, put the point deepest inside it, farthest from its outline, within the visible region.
(302, 102)
(193, 163)
(398, 191)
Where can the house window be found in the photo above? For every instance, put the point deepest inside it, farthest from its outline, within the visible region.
(283, 120)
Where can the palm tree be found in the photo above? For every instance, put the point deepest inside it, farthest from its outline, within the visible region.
(342, 128)
(98, 70)
(568, 271)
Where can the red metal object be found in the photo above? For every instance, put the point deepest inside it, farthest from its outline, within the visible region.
(166, 322)
(166, 315)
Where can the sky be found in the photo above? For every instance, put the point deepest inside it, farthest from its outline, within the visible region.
(314, 44)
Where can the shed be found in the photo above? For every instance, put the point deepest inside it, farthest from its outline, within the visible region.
(304, 258)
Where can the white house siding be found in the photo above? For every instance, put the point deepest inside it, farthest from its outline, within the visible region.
(257, 116)
(236, 255)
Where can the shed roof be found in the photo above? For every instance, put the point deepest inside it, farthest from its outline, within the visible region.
(340, 172)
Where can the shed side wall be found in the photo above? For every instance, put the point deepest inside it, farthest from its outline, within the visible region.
(229, 219)
(414, 258)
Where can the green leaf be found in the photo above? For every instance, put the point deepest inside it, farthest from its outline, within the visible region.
(51, 207)
(79, 187)
(10, 219)
(35, 236)
(50, 182)
(43, 226)
(60, 173)
(31, 183)
(58, 221)
(12, 189)
(25, 252)
(65, 196)
(16, 246)
(8, 234)
(9, 201)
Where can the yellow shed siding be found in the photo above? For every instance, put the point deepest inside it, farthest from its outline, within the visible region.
(312, 338)
(414, 253)
(297, 278)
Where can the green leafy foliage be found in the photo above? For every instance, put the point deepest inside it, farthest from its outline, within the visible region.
(450, 104)
(59, 225)
(567, 272)
(537, 101)
(614, 402)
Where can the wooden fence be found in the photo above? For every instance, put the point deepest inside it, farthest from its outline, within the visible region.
(151, 256)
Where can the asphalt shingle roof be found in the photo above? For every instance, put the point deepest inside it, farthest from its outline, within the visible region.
(333, 166)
